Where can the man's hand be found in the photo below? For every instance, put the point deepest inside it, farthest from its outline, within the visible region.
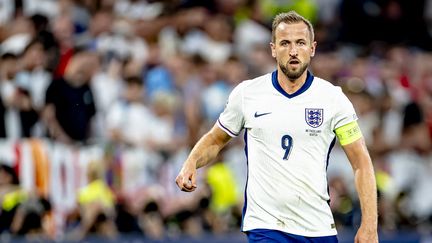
(366, 235)
(205, 151)
(186, 179)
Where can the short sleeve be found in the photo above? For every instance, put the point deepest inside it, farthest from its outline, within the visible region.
(345, 112)
(231, 120)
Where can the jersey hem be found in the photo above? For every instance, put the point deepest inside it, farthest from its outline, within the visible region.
(301, 233)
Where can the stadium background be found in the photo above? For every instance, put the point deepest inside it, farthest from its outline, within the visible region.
(101, 101)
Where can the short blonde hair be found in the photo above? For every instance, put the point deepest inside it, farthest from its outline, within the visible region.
(291, 17)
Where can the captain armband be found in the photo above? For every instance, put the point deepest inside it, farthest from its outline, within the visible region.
(348, 133)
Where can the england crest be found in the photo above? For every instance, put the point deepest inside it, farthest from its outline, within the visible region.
(314, 117)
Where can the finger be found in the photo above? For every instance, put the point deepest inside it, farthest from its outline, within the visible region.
(193, 180)
(188, 190)
(179, 181)
(187, 184)
(188, 187)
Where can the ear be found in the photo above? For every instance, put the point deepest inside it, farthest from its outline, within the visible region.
(313, 48)
(273, 50)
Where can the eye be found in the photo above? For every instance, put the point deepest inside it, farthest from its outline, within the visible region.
(301, 43)
(284, 43)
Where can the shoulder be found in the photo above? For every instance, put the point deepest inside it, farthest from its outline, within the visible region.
(255, 83)
(56, 84)
(326, 87)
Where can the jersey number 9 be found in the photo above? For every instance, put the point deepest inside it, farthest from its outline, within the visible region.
(286, 144)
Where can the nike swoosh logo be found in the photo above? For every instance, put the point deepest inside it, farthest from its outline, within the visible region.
(262, 114)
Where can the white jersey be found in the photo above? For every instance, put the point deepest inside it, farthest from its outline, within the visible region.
(288, 139)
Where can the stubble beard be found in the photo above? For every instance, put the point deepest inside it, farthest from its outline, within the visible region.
(293, 75)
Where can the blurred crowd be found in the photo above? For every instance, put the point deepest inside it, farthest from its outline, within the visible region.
(102, 100)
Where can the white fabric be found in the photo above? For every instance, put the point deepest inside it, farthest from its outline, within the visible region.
(133, 120)
(7, 8)
(123, 46)
(248, 34)
(7, 152)
(106, 90)
(197, 42)
(288, 194)
(164, 133)
(26, 169)
(62, 177)
(15, 44)
(49, 8)
(138, 9)
(12, 117)
(36, 83)
(410, 173)
(140, 167)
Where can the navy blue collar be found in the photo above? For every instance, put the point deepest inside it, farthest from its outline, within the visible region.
(304, 87)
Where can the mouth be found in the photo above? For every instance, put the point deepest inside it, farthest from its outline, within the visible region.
(294, 62)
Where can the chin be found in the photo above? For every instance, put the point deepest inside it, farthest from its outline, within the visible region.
(293, 75)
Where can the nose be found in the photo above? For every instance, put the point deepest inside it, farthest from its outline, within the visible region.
(293, 51)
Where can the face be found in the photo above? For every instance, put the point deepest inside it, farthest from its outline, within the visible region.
(292, 49)
(8, 69)
(5, 178)
(133, 92)
(35, 56)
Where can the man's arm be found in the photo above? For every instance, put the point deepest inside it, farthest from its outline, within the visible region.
(54, 128)
(364, 177)
(202, 154)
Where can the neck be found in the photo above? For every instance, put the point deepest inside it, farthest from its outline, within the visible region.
(291, 86)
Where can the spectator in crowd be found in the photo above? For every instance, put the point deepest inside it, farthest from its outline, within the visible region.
(31, 83)
(30, 219)
(129, 120)
(11, 195)
(63, 31)
(9, 125)
(69, 101)
(97, 204)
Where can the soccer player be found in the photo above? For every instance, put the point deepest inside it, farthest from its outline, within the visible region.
(291, 120)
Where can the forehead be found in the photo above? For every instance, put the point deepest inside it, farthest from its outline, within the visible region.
(292, 31)
(36, 45)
